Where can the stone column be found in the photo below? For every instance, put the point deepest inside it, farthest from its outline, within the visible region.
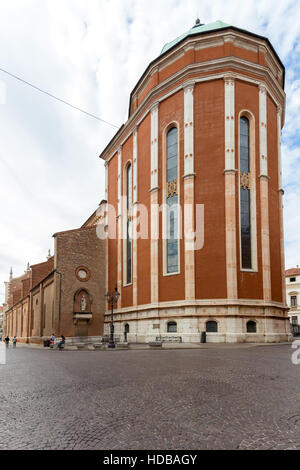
(230, 188)
(119, 228)
(281, 193)
(134, 221)
(154, 203)
(189, 199)
(264, 193)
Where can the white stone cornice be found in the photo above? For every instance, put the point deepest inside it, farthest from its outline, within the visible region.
(229, 38)
(139, 115)
(218, 38)
(203, 303)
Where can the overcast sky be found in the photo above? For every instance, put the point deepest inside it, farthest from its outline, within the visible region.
(91, 53)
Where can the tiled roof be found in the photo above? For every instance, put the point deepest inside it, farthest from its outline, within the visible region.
(292, 272)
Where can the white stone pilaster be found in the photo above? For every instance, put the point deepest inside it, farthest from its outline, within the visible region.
(106, 180)
(263, 151)
(135, 166)
(189, 191)
(134, 220)
(264, 193)
(119, 182)
(154, 245)
(279, 114)
(229, 123)
(281, 193)
(154, 146)
(119, 223)
(230, 188)
(189, 129)
(154, 203)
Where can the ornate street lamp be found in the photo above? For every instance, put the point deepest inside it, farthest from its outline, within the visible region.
(113, 299)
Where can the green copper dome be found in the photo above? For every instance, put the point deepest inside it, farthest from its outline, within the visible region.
(195, 30)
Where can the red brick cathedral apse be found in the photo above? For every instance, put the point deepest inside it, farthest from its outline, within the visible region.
(200, 153)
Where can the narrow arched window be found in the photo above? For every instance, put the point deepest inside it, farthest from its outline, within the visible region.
(172, 327)
(172, 200)
(172, 154)
(128, 224)
(245, 194)
(211, 326)
(251, 326)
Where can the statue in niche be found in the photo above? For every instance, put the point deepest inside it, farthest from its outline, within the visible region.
(83, 303)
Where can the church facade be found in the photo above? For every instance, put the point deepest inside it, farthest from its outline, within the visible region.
(194, 194)
(63, 295)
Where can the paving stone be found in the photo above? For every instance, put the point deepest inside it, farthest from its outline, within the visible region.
(222, 398)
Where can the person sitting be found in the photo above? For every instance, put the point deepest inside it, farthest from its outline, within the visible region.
(52, 340)
(61, 344)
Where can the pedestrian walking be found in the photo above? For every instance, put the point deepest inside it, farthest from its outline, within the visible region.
(52, 340)
(6, 341)
(61, 344)
(14, 342)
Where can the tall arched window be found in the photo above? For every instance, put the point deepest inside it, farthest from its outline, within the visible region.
(128, 224)
(245, 193)
(172, 200)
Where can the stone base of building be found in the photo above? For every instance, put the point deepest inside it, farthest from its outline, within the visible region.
(147, 325)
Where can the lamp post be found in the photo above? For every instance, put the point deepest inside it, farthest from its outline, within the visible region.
(112, 298)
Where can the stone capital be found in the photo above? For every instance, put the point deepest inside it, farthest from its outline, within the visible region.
(188, 87)
(154, 107)
(262, 88)
(230, 171)
(229, 79)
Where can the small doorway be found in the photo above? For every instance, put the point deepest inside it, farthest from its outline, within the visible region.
(126, 331)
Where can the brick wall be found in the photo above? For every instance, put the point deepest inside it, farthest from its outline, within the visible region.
(39, 271)
(77, 248)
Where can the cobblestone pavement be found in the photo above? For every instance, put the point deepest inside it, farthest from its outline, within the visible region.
(220, 398)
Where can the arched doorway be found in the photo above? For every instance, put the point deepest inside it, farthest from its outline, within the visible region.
(126, 331)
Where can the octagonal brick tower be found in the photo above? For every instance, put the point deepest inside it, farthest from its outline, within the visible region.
(201, 151)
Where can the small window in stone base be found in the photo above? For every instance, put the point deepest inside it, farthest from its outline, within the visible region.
(211, 326)
(172, 327)
(251, 326)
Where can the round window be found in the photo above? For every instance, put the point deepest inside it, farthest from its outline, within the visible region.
(82, 273)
